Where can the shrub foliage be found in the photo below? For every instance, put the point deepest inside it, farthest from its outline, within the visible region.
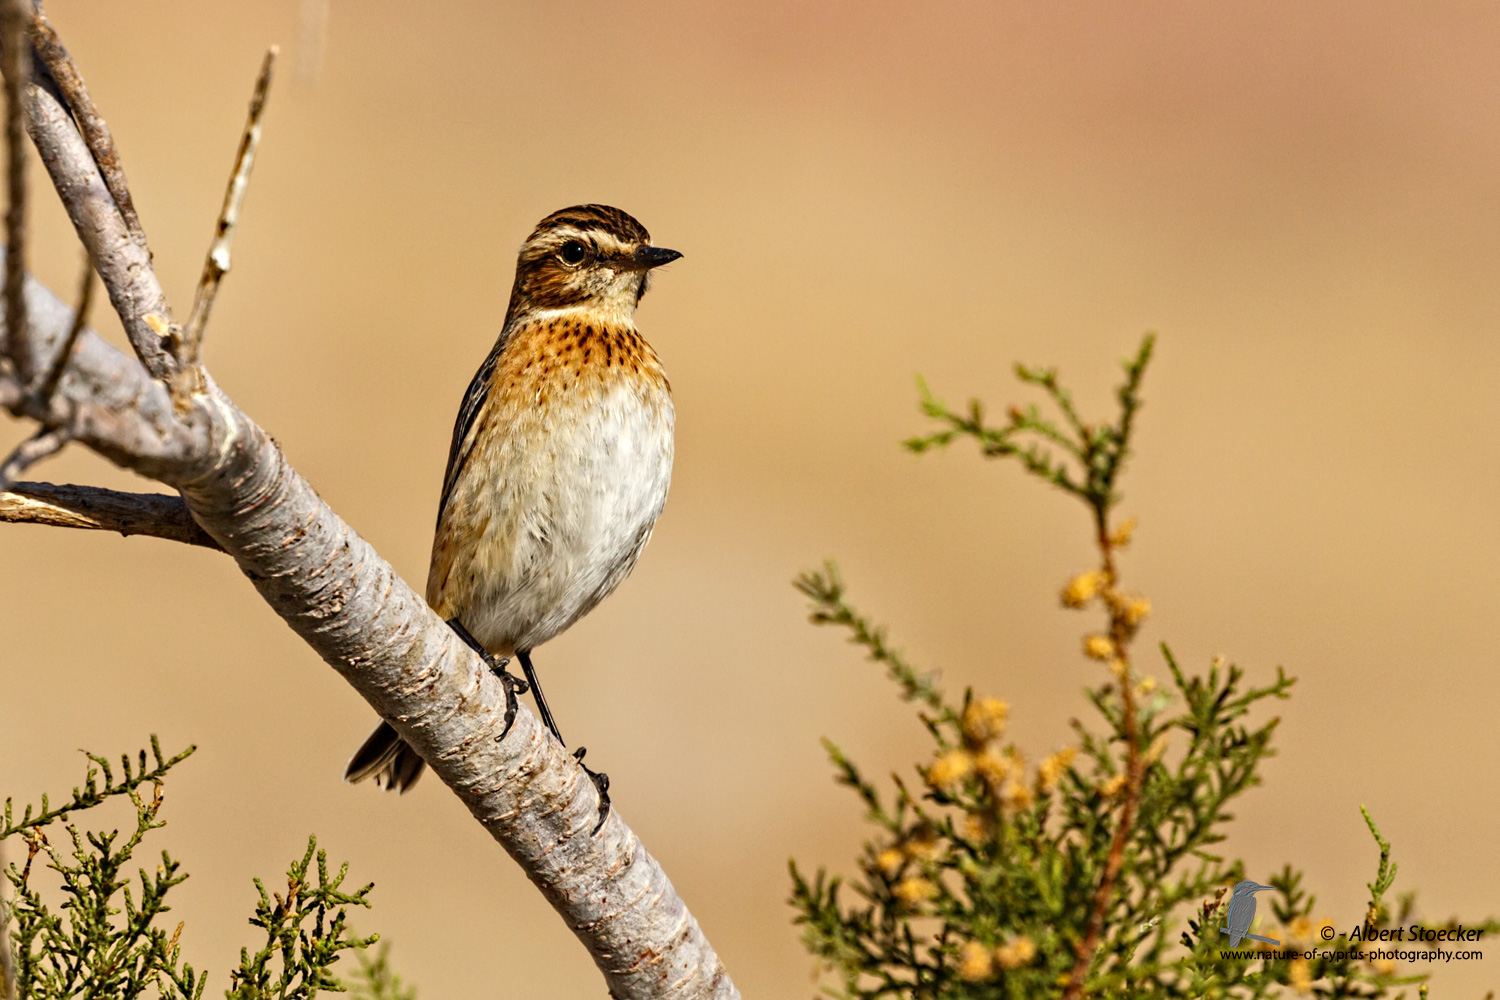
(106, 937)
(1093, 871)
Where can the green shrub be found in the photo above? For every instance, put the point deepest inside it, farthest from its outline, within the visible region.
(106, 939)
(1092, 872)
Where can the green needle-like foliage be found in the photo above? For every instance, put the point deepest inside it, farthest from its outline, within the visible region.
(1093, 872)
(305, 930)
(106, 938)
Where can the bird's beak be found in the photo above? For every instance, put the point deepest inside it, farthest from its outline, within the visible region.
(648, 257)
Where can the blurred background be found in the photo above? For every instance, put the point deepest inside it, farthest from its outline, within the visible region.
(1301, 198)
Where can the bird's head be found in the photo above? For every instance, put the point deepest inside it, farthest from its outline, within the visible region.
(1249, 887)
(589, 256)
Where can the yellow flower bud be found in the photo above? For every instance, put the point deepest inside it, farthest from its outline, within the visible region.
(1122, 535)
(949, 769)
(1099, 647)
(1135, 611)
(1082, 588)
(1053, 767)
(992, 767)
(913, 891)
(890, 860)
(924, 845)
(1016, 953)
(1017, 796)
(984, 720)
(975, 962)
(1112, 787)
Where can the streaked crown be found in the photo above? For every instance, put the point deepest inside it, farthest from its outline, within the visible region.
(587, 255)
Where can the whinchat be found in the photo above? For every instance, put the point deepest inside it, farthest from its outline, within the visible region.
(560, 461)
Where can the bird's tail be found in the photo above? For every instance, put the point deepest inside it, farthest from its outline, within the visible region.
(1235, 937)
(386, 757)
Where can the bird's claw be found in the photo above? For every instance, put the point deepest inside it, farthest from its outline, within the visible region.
(601, 784)
(513, 686)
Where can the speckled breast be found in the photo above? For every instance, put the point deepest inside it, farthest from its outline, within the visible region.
(570, 465)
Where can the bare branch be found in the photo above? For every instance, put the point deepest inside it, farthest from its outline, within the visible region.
(95, 132)
(122, 260)
(43, 444)
(153, 515)
(16, 56)
(217, 264)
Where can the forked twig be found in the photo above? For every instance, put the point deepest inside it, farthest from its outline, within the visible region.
(217, 263)
(95, 132)
(44, 443)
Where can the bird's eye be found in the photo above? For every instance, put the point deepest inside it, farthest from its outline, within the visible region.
(573, 252)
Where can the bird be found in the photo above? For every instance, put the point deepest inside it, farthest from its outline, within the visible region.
(1242, 913)
(559, 465)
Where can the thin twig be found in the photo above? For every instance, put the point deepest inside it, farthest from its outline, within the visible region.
(95, 132)
(16, 54)
(1121, 632)
(44, 443)
(49, 385)
(151, 515)
(217, 263)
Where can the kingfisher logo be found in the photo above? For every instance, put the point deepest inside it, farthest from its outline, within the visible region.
(1242, 914)
(1241, 917)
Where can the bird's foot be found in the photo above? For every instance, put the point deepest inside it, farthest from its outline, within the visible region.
(513, 685)
(601, 783)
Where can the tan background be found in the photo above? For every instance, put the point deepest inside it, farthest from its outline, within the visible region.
(1302, 198)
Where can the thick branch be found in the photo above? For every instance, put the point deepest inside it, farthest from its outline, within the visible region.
(156, 515)
(349, 605)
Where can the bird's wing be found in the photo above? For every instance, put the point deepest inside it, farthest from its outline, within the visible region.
(468, 415)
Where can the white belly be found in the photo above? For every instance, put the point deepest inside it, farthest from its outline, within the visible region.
(570, 517)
